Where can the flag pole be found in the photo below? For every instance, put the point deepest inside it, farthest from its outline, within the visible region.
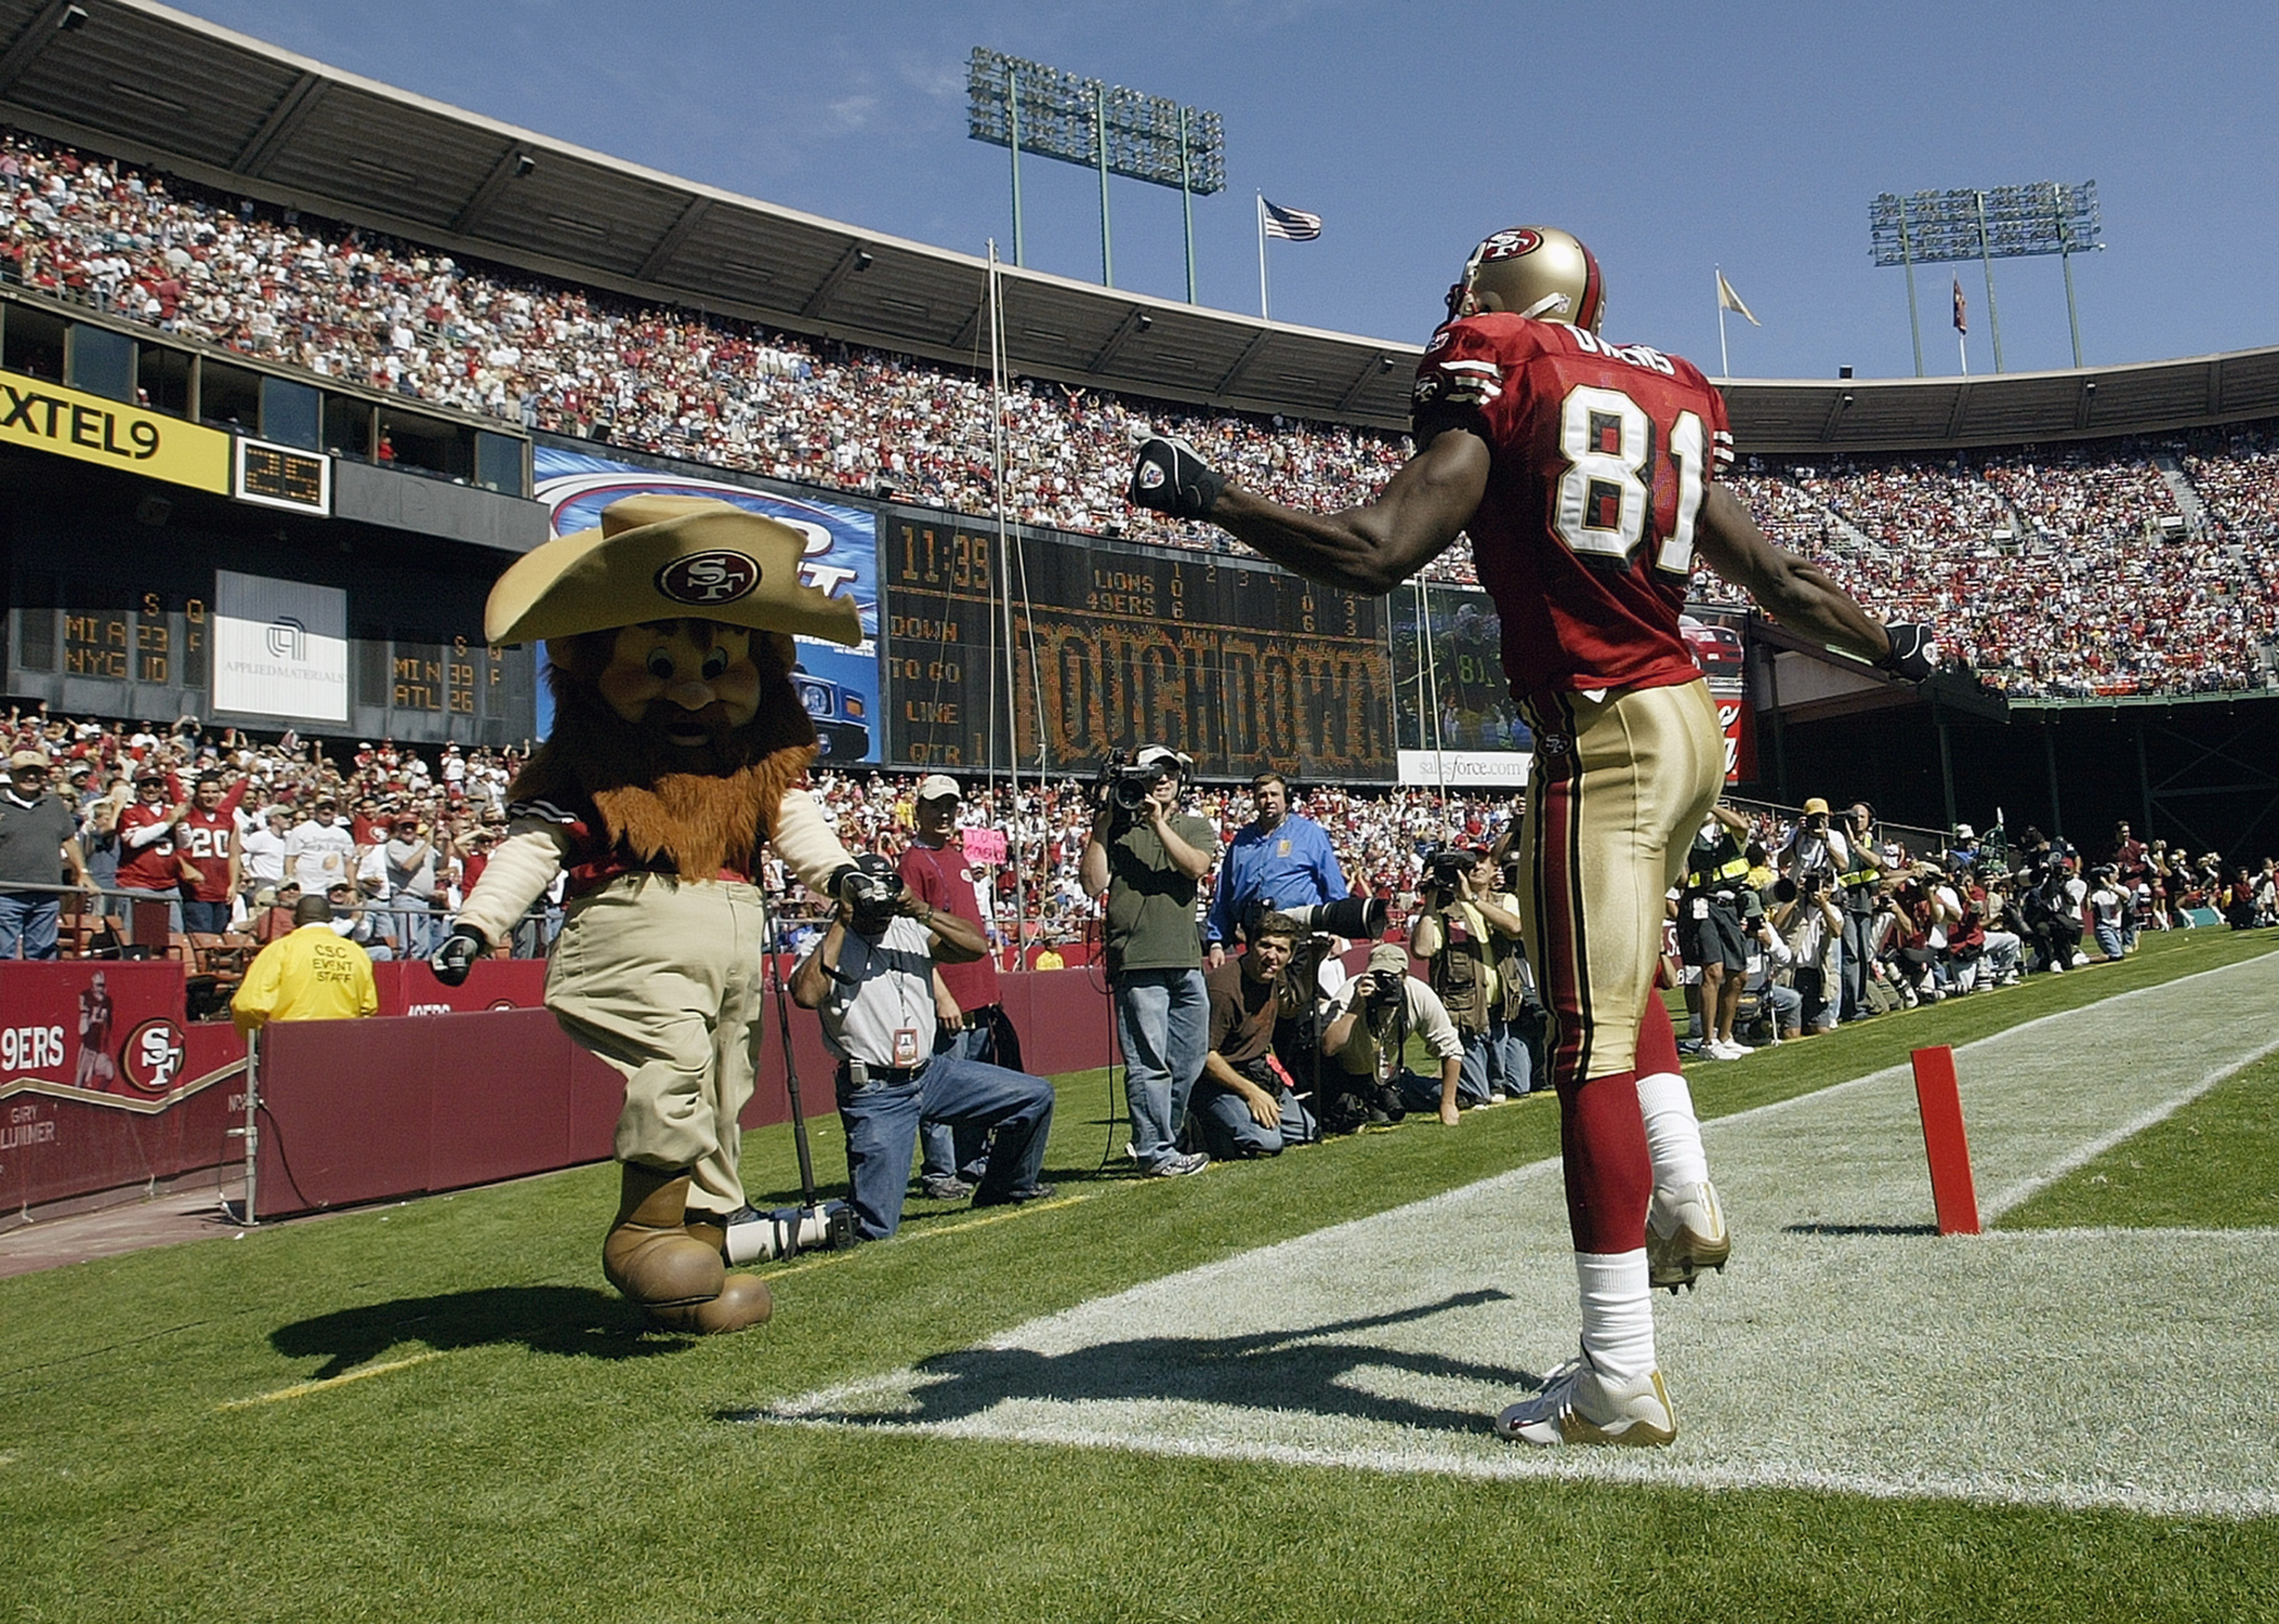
(1962, 348)
(1724, 361)
(1262, 255)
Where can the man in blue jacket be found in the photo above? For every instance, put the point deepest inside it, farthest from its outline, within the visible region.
(1280, 859)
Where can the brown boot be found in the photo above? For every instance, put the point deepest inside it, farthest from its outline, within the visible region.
(679, 1282)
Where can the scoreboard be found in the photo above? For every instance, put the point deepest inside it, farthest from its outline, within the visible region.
(1240, 665)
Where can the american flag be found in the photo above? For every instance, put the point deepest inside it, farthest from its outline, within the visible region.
(1290, 225)
(1961, 313)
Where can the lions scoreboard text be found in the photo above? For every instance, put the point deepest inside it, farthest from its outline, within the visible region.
(1115, 646)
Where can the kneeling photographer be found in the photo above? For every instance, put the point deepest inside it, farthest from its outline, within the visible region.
(871, 980)
(1466, 929)
(1244, 1106)
(1370, 1019)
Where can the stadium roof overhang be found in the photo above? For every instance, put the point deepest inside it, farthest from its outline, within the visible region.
(154, 86)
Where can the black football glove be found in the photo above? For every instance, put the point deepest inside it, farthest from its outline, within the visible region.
(456, 955)
(1171, 477)
(1912, 651)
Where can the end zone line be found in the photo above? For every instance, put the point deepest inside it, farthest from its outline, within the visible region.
(2008, 1200)
(302, 1390)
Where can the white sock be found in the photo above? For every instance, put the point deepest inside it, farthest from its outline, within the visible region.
(1673, 1134)
(1617, 1312)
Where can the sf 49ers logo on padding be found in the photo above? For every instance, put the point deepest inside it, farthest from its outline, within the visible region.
(151, 1058)
(1511, 244)
(702, 580)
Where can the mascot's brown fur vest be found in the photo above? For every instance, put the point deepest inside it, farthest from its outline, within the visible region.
(663, 809)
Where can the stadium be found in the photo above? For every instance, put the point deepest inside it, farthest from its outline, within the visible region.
(275, 414)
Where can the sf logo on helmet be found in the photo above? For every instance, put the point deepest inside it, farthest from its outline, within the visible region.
(706, 578)
(1511, 244)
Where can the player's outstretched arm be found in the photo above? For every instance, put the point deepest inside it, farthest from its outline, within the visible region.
(1789, 588)
(1369, 549)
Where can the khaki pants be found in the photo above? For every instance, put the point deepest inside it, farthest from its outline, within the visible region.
(661, 980)
(1618, 787)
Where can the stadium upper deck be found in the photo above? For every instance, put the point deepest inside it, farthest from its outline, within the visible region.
(264, 123)
(2098, 571)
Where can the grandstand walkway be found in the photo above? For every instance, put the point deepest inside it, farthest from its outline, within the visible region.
(1849, 1347)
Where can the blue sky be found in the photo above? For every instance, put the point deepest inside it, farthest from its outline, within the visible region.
(1672, 138)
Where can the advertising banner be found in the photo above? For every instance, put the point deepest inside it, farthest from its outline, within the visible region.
(47, 417)
(839, 686)
(1738, 719)
(281, 649)
(103, 1084)
(1467, 770)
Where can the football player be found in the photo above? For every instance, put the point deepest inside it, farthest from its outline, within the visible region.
(1586, 473)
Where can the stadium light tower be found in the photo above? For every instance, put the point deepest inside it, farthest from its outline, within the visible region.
(1020, 104)
(2004, 222)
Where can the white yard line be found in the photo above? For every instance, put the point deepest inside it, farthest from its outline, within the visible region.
(1849, 1348)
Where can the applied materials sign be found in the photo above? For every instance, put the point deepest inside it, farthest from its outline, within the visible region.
(281, 649)
(47, 417)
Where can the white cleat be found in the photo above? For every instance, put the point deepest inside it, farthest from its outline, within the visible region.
(1686, 1234)
(1579, 1406)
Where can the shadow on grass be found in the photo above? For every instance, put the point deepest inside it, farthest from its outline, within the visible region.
(576, 1321)
(1309, 1369)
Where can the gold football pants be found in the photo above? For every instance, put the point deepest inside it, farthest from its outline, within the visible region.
(1618, 787)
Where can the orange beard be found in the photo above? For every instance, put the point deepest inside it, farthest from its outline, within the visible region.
(699, 811)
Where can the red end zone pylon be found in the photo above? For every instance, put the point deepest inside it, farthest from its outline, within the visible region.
(1940, 1101)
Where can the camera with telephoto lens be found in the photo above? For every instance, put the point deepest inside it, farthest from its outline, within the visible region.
(870, 891)
(1355, 918)
(1445, 865)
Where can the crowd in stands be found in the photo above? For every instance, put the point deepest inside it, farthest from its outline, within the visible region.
(2075, 574)
(375, 795)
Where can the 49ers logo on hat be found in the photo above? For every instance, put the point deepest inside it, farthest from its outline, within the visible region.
(704, 579)
(151, 1058)
(1511, 244)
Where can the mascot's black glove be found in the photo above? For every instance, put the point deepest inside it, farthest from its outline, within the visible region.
(1910, 658)
(456, 955)
(1171, 479)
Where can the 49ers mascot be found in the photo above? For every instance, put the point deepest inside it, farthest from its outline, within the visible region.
(678, 750)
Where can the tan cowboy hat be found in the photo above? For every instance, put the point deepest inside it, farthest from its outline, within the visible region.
(666, 558)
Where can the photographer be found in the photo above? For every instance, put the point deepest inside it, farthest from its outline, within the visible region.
(1369, 1019)
(1807, 917)
(1244, 1106)
(1710, 936)
(872, 981)
(1770, 972)
(1465, 929)
(1859, 876)
(1151, 860)
(2051, 907)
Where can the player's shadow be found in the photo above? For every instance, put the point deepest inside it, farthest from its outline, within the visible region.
(1312, 1369)
(576, 1321)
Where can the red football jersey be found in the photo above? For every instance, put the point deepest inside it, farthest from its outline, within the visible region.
(1602, 453)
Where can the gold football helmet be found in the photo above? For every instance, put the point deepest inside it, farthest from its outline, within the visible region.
(1534, 270)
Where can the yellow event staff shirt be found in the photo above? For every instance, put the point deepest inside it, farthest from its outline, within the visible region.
(308, 974)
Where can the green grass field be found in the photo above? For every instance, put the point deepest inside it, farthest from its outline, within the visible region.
(438, 1410)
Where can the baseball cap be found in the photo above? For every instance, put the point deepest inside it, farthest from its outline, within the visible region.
(28, 761)
(1964, 832)
(1389, 956)
(1163, 755)
(938, 786)
(1815, 804)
